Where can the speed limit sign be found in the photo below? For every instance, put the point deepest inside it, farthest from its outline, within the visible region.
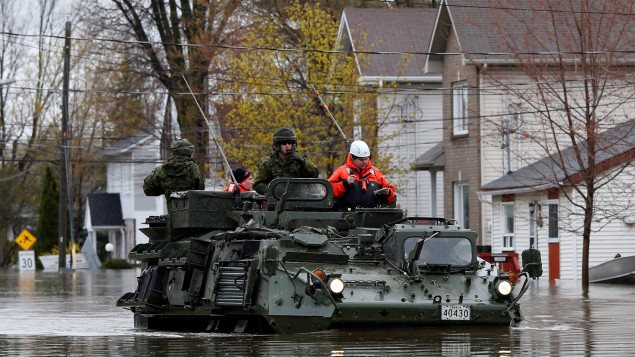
(26, 260)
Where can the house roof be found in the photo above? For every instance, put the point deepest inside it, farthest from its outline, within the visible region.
(105, 209)
(488, 31)
(614, 146)
(389, 30)
(433, 159)
(125, 144)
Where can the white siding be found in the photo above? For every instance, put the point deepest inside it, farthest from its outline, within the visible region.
(495, 107)
(125, 174)
(521, 226)
(608, 238)
(413, 126)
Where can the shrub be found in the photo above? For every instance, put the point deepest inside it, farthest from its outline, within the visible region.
(116, 264)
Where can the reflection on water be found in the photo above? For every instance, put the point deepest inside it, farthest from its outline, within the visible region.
(26, 283)
(75, 314)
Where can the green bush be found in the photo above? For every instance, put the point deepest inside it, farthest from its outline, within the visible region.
(116, 264)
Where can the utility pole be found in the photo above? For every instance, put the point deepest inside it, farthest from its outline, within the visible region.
(64, 189)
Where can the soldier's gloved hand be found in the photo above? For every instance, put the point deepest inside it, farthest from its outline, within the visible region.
(294, 155)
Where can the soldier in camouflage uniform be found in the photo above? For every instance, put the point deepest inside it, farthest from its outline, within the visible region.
(284, 161)
(180, 173)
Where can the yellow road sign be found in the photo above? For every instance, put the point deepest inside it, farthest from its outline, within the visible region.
(25, 240)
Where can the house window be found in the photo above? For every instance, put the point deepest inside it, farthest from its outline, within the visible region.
(511, 143)
(507, 227)
(461, 203)
(553, 221)
(459, 108)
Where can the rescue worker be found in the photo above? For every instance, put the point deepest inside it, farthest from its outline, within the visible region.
(284, 161)
(244, 178)
(179, 173)
(358, 183)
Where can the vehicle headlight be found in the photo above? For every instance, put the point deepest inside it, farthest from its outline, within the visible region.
(504, 288)
(336, 285)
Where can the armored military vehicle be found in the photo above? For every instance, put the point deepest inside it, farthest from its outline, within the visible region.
(288, 263)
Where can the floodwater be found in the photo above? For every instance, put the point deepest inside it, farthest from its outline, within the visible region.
(74, 314)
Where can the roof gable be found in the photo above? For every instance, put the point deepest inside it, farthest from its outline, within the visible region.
(105, 209)
(388, 30)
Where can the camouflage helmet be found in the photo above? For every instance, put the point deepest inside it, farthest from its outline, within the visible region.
(283, 134)
(182, 147)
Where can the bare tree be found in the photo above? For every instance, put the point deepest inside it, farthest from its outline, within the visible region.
(574, 81)
(11, 55)
(27, 108)
(169, 39)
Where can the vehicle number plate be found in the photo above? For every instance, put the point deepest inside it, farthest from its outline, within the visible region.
(455, 312)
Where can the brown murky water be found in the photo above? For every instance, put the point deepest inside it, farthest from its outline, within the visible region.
(43, 314)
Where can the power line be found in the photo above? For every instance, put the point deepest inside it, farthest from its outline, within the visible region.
(438, 91)
(500, 7)
(313, 50)
(572, 11)
(271, 82)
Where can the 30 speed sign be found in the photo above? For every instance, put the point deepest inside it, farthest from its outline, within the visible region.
(26, 260)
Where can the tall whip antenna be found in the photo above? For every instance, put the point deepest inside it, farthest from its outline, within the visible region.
(326, 108)
(209, 127)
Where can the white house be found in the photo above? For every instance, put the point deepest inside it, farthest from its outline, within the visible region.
(538, 206)
(129, 161)
(103, 214)
(408, 106)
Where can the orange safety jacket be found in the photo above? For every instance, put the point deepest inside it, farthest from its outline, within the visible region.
(231, 187)
(361, 192)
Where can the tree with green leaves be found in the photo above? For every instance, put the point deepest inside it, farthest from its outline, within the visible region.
(270, 87)
(47, 227)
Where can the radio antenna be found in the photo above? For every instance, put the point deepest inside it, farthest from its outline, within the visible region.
(326, 109)
(209, 127)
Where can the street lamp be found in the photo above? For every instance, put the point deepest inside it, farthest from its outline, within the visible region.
(5, 82)
(110, 248)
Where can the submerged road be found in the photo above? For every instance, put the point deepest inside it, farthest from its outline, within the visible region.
(74, 314)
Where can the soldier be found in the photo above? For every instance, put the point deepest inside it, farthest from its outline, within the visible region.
(284, 161)
(180, 173)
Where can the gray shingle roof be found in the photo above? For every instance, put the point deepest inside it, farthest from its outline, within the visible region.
(125, 144)
(433, 159)
(614, 146)
(501, 26)
(391, 30)
(105, 209)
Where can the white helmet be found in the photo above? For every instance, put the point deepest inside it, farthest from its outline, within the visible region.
(359, 149)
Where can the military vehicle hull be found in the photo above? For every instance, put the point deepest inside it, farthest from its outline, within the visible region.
(306, 268)
(378, 295)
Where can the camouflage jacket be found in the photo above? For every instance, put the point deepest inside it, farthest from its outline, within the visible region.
(296, 166)
(180, 173)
